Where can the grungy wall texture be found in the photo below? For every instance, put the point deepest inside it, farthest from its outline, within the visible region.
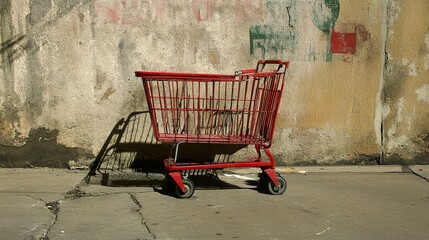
(405, 95)
(357, 89)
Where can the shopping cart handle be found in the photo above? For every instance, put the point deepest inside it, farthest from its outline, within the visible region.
(273, 61)
(270, 61)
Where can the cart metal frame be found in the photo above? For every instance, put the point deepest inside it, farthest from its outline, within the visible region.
(238, 108)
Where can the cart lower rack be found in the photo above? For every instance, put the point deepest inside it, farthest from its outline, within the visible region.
(239, 108)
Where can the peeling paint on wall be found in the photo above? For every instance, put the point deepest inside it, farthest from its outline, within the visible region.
(423, 93)
(278, 36)
(411, 66)
(405, 83)
(282, 34)
(325, 14)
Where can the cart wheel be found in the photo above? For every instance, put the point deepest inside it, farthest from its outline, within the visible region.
(277, 190)
(190, 187)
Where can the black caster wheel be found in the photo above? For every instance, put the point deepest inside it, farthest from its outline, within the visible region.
(190, 187)
(277, 190)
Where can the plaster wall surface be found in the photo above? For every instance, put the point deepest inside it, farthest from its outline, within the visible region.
(356, 91)
(406, 83)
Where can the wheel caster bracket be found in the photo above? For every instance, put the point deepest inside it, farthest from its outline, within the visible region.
(177, 178)
(271, 173)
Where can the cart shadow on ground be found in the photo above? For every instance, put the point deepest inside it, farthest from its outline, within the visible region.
(155, 181)
(131, 156)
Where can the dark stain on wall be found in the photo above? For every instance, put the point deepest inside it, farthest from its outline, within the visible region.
(12, 47)
(34, 101)
(41, 150)
(38, 10)
(395, 77)
(422, 143)
(395, 159)
(9, 118)
(420, 156)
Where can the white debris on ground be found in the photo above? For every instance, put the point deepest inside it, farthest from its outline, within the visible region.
(238, 176)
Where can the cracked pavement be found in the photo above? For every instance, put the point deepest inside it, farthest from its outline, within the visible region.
(50, 204)
(322, 203)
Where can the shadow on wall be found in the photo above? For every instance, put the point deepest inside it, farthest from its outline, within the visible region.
(131, 146)
(131, 139)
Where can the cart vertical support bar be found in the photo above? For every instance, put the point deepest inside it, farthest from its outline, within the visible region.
(177, 178)
(271, 173)
(258, 151)
(150, 103)
(270, 156)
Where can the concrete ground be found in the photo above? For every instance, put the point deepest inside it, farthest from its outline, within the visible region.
(374, 202)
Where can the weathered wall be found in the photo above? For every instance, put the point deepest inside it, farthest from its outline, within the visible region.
(405, 95)
(357, 87)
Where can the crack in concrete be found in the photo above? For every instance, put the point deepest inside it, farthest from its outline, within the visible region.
(83, 194)
(76, 193)
(139, 211)
(288, 13)
(420, 176)
(54, 208)
(408, 169)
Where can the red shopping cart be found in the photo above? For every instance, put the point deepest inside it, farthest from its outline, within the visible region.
(239, 108)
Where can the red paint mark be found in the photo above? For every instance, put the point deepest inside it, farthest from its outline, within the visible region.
(111, 16)
(363, 34)
(343, 43)
(199, 16)
(201, 7)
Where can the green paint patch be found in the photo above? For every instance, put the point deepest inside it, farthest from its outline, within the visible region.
(272, 40)
(325, 14)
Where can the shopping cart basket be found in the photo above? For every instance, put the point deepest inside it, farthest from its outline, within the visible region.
(239, 108)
